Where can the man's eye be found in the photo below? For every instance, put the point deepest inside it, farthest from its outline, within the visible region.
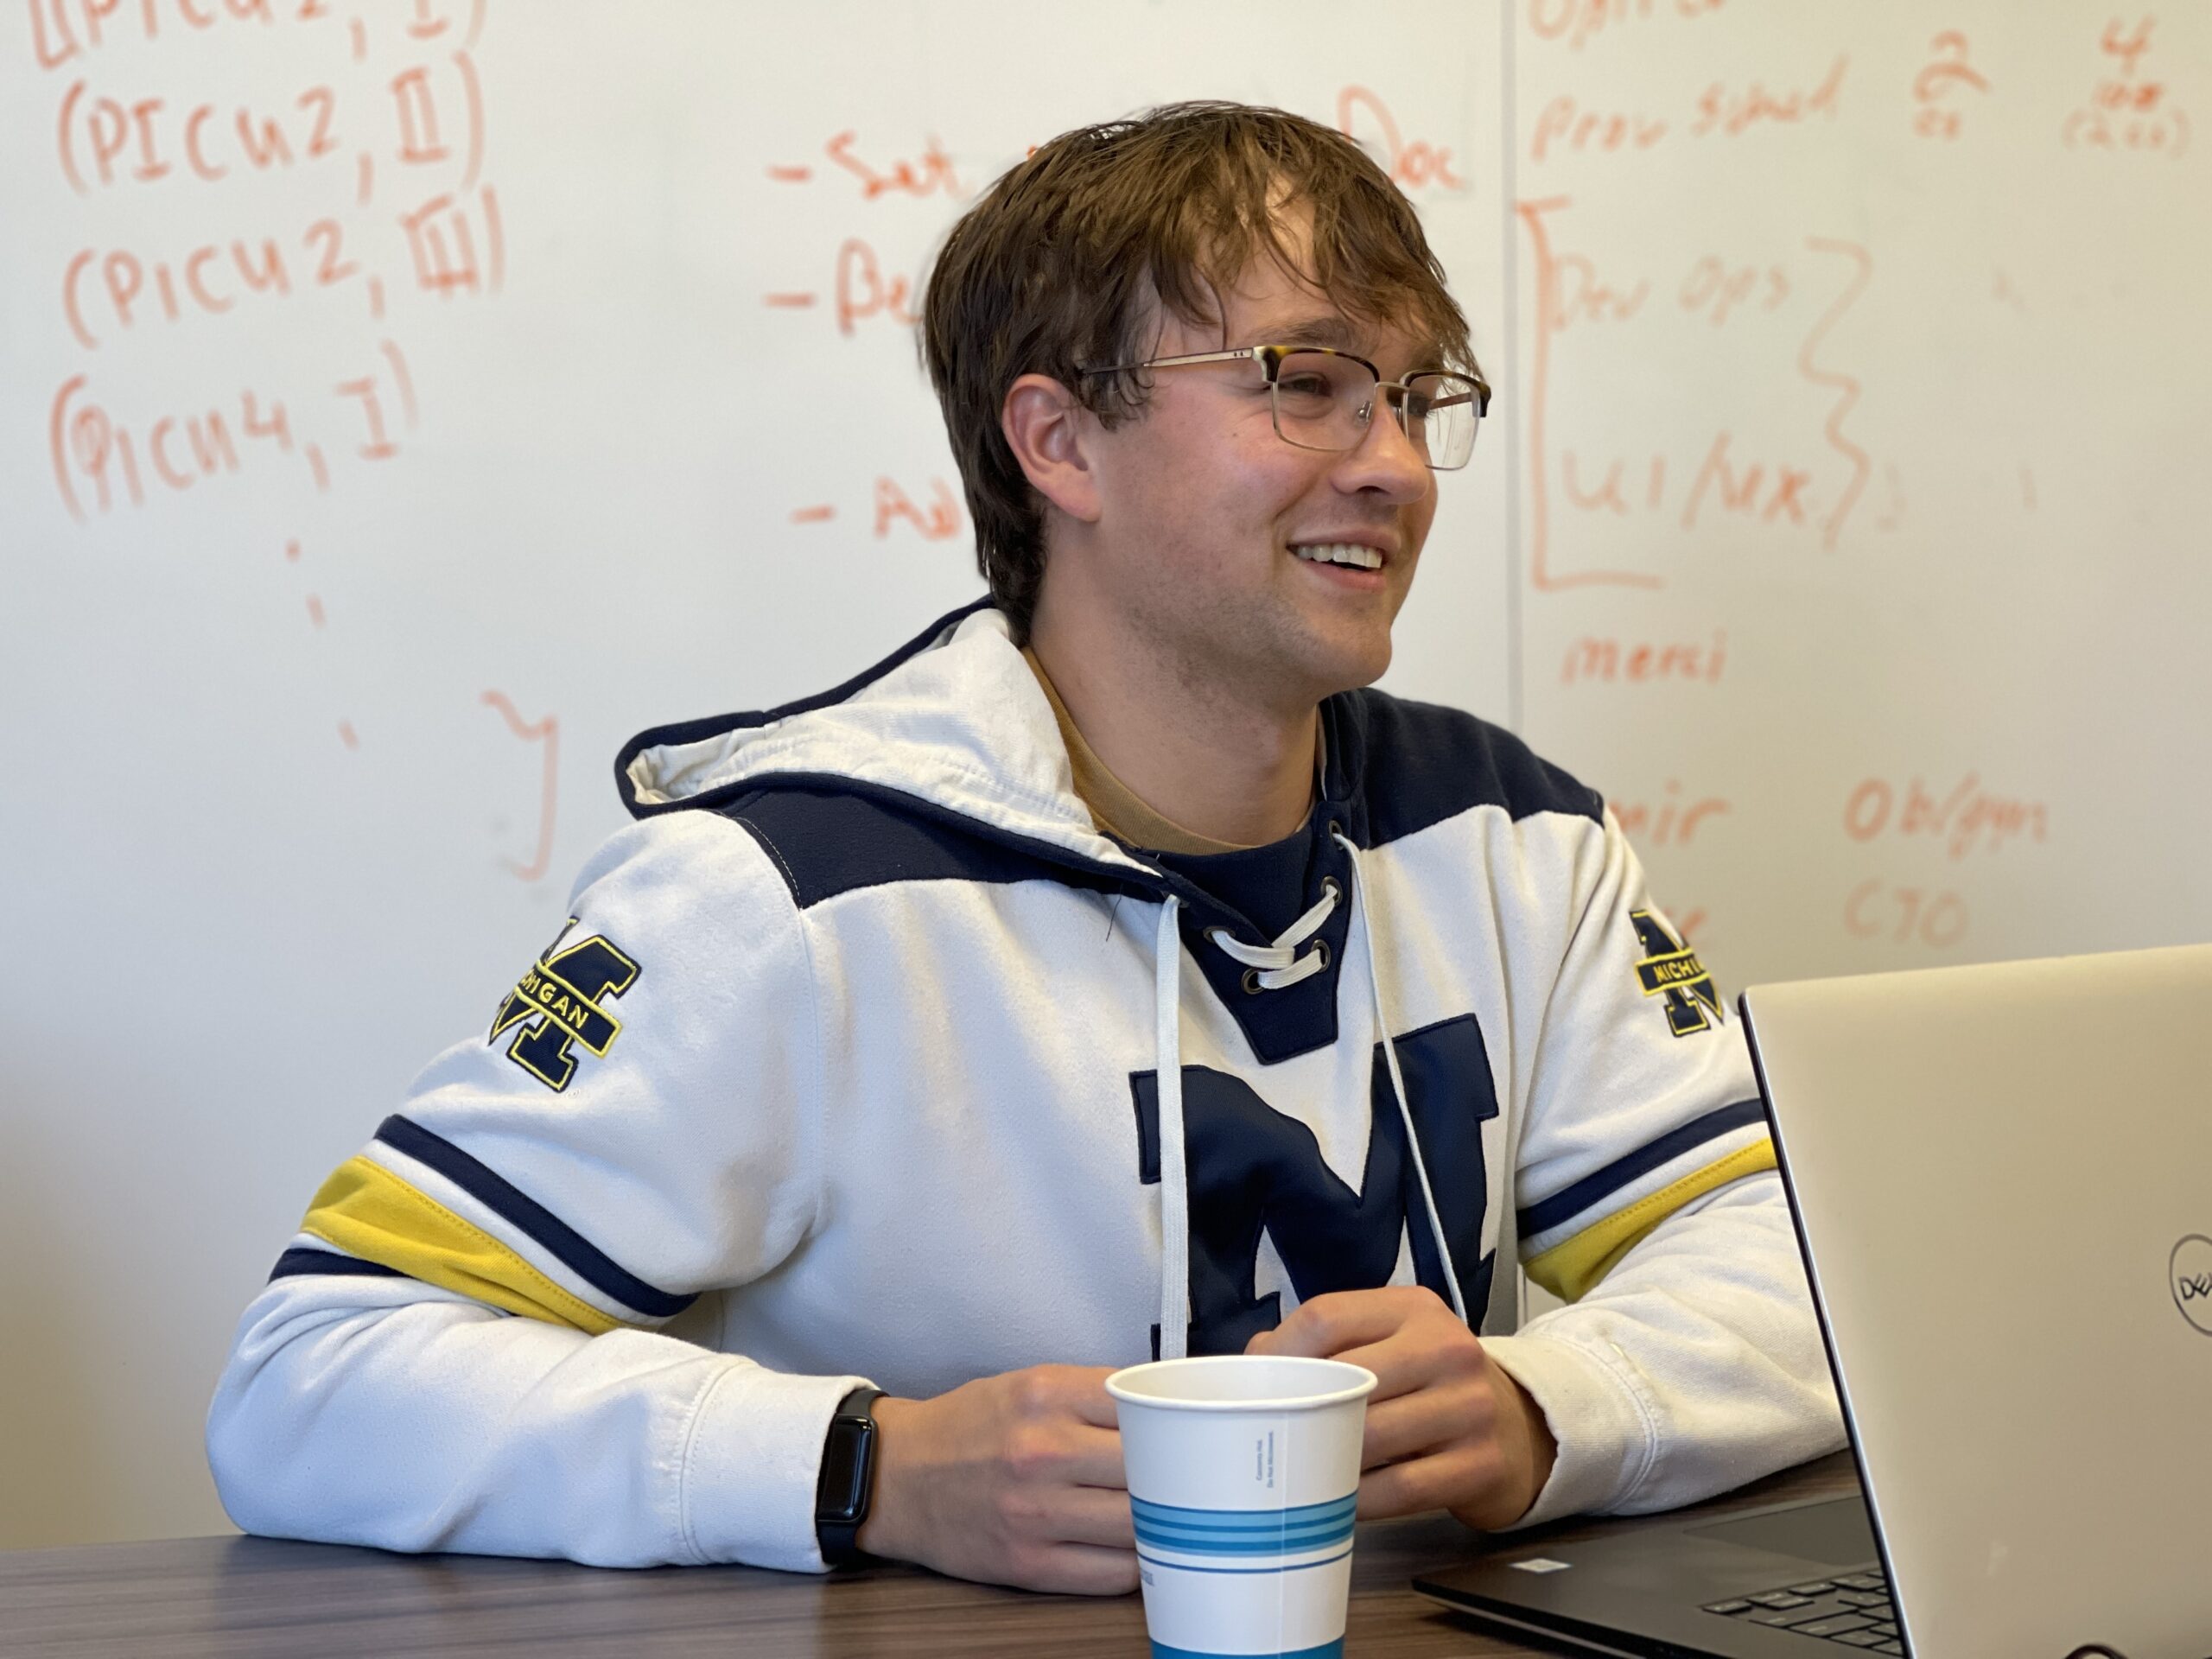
(1304, 386)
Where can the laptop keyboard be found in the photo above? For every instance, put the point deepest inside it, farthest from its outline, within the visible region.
(1854, 1610)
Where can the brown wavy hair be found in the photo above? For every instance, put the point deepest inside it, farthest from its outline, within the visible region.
(1066, 261)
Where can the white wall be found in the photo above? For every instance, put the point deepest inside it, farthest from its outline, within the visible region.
(271, 842)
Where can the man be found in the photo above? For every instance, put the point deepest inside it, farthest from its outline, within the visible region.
(1105, 974)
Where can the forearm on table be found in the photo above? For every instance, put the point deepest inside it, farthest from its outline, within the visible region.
(411, 1419)
(1696, 1365)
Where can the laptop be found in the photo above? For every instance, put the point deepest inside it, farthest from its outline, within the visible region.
(2002, 1182)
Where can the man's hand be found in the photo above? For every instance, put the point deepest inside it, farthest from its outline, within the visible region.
(1447, 1429)
(1011, 1479)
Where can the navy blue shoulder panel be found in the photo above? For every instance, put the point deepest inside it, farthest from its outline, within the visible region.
(691, 731)
(1418, 764)
(832, 840)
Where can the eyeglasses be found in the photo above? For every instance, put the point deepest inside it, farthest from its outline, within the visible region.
(1324, 400)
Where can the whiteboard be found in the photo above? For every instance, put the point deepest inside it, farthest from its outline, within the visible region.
(401, 404)
(1858, 384)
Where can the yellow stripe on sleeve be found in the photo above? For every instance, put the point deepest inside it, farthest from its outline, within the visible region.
(367, 1211)
(1570, 1267)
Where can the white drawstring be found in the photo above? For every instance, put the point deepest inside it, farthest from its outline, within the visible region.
(1276, 965)
(1174, 1183)
(1398, 1080)
(1279, 963)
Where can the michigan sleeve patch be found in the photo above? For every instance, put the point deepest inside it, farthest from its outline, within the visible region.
(560, 1004)
(1670, 971)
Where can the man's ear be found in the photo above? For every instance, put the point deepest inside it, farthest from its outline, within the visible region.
(1050, 435)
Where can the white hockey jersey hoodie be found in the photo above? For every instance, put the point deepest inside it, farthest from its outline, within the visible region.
(865, 1057)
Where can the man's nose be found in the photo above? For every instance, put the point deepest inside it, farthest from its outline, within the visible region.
(1385, 458)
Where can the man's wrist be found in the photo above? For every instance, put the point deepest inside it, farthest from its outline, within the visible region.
(845, 1485)
(1543, 1446)
(881, 1535)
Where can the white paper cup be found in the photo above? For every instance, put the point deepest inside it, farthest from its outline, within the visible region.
(1243, 1471)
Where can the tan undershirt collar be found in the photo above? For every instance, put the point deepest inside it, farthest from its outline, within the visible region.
(1115, 807)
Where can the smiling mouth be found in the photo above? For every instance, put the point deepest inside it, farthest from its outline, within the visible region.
(1355, 554)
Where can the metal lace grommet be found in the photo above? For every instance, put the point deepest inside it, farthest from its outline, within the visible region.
(1251, 982)
(1328, 886)
(1321, 952)
(1335, 828)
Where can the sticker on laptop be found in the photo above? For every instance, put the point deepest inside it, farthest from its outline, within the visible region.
(2191, 1268)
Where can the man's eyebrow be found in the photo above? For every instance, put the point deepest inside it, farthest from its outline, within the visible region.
(1332, 329)
(1319, 328)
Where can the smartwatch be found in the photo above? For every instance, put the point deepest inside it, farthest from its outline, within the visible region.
(847, 1482)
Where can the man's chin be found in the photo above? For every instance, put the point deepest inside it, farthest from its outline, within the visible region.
(1346, 665)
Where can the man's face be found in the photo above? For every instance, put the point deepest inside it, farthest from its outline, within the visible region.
(1204, 509)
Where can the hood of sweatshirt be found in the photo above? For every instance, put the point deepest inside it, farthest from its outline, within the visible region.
(953, 727)
(953, 722)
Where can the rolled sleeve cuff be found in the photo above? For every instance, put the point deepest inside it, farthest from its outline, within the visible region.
(751, 1457)
(1604, 1428)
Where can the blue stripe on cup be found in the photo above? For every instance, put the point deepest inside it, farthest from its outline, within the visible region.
(1247, 1533)
(1277, 1568)
(1327, 1650)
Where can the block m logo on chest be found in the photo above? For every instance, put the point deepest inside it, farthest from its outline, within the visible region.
(1252, 1169)
(558, 1005)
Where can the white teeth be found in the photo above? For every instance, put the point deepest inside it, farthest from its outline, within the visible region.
(1366, 559)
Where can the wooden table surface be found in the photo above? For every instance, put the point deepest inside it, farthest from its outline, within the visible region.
(245, 1598)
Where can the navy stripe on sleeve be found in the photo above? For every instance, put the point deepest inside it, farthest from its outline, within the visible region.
(1570, 1201)
(298, 1261)
(495, 1192)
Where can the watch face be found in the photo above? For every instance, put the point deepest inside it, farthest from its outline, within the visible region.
(841, 1491)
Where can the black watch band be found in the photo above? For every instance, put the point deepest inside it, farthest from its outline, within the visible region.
(847, 1483)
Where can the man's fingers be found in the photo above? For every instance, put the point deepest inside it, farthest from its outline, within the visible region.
(1083, 1392)
(1083, 1570)
(1454, 1479)
(1416, 1421)
(1327, 1326)
(1090, 1457)
(1092, 1514)
(1400, 1368)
